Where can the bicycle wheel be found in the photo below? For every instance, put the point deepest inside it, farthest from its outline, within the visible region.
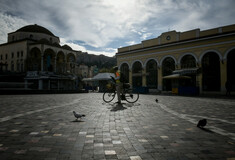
(131, 97)
(109, 95)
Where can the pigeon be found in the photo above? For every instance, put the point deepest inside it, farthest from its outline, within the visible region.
(202, 123)
(156, 100)
(78, 115)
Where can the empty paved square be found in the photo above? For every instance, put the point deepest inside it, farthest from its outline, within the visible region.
(44, 127)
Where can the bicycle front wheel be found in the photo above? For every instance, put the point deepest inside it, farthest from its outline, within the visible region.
(109, 95)
(131, 97)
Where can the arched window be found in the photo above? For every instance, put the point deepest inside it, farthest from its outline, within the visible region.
(168, 66)
(230, 69)
(125, 72)
(211, 72)
(137, 74)
(151, 72)
(188, 61)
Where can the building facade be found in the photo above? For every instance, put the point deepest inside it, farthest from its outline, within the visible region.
(191, 62)
(34, 53)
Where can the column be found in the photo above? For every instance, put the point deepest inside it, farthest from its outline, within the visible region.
(144, 77)
(42, 63)
(159, 76)
(199, 79)
(130, 77)
(223, 75)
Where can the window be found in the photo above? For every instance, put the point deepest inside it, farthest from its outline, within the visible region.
(1, 57)
(31, 36)
(12, 66)
(6, 56)
(12, 55)
(22, 53)
(18, 54)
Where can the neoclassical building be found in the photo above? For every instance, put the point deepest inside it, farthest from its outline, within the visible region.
(188, 62)
(35, 53)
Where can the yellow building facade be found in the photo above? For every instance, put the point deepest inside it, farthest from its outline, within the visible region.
(191, 62)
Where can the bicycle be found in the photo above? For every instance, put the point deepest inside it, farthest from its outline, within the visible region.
(127, 93)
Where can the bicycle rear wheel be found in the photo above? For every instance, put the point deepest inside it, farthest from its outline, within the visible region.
(109, 95)
(131, 97)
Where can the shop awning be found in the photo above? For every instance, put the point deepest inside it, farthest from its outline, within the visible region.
(100, 77)
(176, 76)
(186, 71)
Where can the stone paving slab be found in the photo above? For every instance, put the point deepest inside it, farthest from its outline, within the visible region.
(43, 127)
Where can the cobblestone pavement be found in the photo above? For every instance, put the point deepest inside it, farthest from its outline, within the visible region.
(43, 127)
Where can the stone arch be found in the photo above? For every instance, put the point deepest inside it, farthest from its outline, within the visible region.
(211, 71)
(227, 52)
(149, 59)
(168, 64)
(163, 58)
(230, 58)
(49, 58)
(60, 62)
(137, 61)
(185, 54)
(137, 67)
(124, 63)
(124, 68)
(151, 66)
(188, 61)
(71, 60)
(33, 60)
(217, 52)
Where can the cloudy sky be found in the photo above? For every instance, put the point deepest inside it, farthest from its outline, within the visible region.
(102, 26)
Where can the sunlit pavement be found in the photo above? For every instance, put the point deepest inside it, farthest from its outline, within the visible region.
(44, 127)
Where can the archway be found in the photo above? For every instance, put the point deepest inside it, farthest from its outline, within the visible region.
(230, 68)
(211, 72)
(60, 62)
(188, 61)
(49, 60)
(34, 60)
(151, 72)
(71, 62)
(125, 72)
(168, 66)
(137, 74)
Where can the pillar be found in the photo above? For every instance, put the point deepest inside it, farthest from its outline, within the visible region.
(223, 75)
(144, 84)
(159, 76)
(199, 79)
(41, 63)
(130, 77)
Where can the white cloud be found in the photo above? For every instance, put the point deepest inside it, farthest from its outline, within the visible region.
(9, 24)
(131, 42)
(100, 23)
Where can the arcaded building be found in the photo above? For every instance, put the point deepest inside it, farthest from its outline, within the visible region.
(191, 62)
(35, 53)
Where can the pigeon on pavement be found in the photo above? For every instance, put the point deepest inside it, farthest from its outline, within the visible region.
(156, 100)
(202, 123)
(78, 115)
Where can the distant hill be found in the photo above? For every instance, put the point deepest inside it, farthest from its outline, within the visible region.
(100, 61)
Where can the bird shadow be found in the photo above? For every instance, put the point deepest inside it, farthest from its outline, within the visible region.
(77, 120)
(206, 130)
(117, 107)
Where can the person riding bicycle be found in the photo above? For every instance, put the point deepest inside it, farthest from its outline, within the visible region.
(118, 83)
